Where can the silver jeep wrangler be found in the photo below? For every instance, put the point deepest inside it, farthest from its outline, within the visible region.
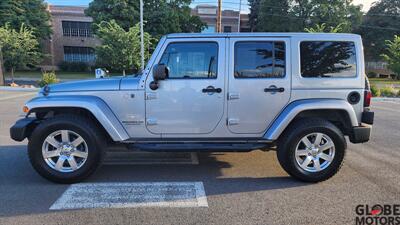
(299, 94)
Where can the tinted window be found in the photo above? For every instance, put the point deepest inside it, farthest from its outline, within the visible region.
(328, 59)
(259, 59)
(191, 60)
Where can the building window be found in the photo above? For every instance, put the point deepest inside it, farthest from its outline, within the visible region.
(191, 60)
(262, 59)
(227, 29)
(77, 29)
(79, 54)
(324, 59)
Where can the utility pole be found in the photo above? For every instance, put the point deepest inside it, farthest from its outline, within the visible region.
(141, 36)
(240, 9)
(219, 16)
(2, 78)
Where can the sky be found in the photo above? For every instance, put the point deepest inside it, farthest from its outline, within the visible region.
(230, 4)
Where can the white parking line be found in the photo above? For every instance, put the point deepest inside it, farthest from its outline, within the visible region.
(131, 195)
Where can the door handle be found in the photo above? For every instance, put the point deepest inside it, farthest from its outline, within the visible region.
(274, 89)
(211, 89)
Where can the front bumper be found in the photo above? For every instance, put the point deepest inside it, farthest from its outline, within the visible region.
(23, 128)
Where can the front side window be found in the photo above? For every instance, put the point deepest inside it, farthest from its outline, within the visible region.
(191, 60)
(324, 59)
(261, 59)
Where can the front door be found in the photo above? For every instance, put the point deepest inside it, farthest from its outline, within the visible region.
(191, 99)
(259, 82)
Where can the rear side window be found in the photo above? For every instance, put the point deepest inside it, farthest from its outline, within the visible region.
(261, 59)
(324, 59)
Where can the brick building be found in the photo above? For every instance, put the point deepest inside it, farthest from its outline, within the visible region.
(73, 41)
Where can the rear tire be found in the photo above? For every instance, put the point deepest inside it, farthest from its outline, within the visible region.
(66, 148)
(311, 150)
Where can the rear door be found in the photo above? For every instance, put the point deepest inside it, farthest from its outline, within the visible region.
(259, 82)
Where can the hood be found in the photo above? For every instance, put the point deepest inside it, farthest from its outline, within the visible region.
(106, 84)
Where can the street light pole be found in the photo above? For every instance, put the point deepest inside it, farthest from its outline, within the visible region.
(141, 36)
(240, 9)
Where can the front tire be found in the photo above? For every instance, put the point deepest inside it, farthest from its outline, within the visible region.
(66, 148)
(312, 150)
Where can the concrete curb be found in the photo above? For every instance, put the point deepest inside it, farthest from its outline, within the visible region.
(380, 99)
(19, 89)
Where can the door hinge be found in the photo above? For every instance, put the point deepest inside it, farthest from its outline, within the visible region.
(233, 96)
(151, 122)
(150, 96)
(232, 122)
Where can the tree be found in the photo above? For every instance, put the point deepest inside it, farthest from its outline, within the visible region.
(324, 29)
(296, 15)
(381, 23)
(393, 55)
(19, 48)
(253, 15)
(31, 13)
(3, 37)
(161, 16)
(120, 49)
(273, 16)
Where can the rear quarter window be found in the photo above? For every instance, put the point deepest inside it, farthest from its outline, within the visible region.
(328, 59)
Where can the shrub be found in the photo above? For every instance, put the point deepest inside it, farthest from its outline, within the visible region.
(74, 67)
(375, 91)
(388, 91)
(372, 74)
(48, 78)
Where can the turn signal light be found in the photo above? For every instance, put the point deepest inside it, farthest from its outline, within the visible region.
(25, 109)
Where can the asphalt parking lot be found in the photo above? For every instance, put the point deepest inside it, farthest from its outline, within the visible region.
(239, 188)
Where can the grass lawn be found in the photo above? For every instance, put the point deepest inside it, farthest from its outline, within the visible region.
(384, 81)
(60, 75)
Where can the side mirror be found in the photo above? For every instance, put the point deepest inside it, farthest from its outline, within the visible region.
(160, 72)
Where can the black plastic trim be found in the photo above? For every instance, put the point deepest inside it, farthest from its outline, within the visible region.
(368, 117)
(360, 134)
(23, 128)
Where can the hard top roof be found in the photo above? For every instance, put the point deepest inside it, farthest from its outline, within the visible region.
(259, 34)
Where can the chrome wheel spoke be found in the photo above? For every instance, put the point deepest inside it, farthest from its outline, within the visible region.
(325, 157)
(318, 139)
(60, 163)
(326, 146)
(317, 165)
(51, 154)
(301, 152)
(64, 136)
(53, 142)
(79, 154)
(306, 161)
(72, 163)
(306, 142)
(77, 142)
